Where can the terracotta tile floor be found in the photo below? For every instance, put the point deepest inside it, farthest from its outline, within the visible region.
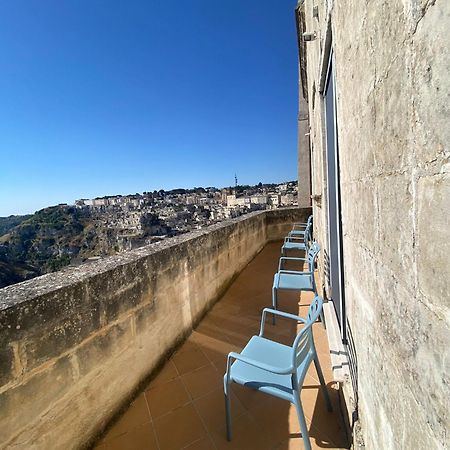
(183, 407)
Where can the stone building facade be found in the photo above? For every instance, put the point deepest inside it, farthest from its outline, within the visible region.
(304, 163)
(378, 96)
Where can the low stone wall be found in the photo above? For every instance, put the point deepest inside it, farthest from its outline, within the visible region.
(75, 345)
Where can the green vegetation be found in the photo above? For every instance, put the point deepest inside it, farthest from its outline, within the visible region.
(43, 242)
(8, 223)
(57, 262)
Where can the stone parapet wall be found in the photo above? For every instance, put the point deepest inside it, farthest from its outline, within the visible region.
(76, 344)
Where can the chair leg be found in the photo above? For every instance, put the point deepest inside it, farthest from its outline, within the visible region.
(322, 384)
(302, 421)
(274, 302)
(228, 411)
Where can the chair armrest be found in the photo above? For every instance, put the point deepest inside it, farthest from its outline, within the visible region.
(295, 272)
(281, 314)
(258, 364)
(277, 313)
(288, 258)
(296, 258)
(294, 232)
(293, 238)
(289, 272)
(303, 224)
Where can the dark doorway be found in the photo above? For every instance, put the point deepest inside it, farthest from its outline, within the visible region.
(334, 201)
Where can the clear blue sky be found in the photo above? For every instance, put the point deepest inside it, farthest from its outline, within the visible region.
(117, 97)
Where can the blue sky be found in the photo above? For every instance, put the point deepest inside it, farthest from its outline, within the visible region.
(115, 97)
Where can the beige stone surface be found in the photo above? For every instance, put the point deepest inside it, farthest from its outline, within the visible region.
(393, 110)
(77, 344)
(304, 163)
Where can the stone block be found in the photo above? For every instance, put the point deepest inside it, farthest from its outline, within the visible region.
(24, 403)
(39, 347)
(433, 269)
(6, 364)
(393, 118)
(395, 243)
(145, 318)
(430, 79)
(103, 346)
(360, 218)
(42, 312)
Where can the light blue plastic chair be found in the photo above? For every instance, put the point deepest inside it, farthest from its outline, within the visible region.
(297, 243)
(296, 280)
(298, 229)
(277, 369)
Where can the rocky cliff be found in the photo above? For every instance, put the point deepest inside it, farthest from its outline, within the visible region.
(60, 235)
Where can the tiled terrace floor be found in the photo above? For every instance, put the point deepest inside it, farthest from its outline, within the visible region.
(183, 407)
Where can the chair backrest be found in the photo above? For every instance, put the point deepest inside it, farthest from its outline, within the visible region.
(308, 236)
(303, 342)
(308, 222)
(313, 251)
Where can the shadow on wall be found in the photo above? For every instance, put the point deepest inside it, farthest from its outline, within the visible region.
(353, 368)
(326, 272)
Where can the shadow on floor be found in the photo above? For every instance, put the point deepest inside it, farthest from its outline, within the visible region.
(183, 406)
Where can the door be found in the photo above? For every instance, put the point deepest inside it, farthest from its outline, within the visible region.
(334, 201)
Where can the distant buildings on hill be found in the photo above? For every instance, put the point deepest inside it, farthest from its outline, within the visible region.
(183, 210)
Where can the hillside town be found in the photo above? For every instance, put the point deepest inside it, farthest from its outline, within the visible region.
(169, 213)
(63, 235)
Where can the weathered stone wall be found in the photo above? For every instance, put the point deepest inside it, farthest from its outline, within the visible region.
(279, 221)
(393, 95)
(304, 164)
(76, 344)
(304, 160)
